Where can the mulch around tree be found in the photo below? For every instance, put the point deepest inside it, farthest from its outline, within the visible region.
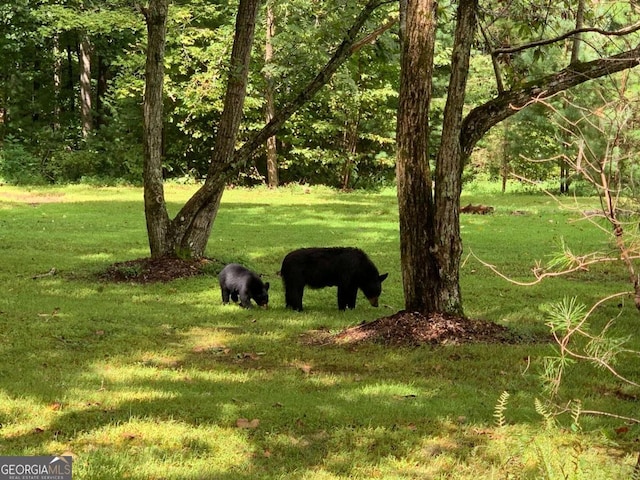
(154, 270)
(414, 329)
(400, 329)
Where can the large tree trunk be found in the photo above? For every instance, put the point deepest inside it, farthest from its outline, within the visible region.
(154, 203)
(415, 198)
(444, 288)
(430, 243)
(429, 227)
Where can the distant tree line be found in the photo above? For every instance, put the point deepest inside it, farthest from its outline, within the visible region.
(73, 78)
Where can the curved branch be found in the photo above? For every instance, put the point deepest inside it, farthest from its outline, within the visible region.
(609, 33)
(485, 116)
(581, 265)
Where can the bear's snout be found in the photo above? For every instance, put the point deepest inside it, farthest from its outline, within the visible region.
(373, 301)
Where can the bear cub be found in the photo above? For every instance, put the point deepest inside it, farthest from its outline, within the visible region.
(347, 268)
(237, 281)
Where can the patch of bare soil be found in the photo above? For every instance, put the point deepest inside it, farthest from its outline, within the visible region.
(33, 199)
(414, 329)
(150, 270)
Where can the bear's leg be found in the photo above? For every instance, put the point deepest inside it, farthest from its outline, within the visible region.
(225, 294)
(347, 297)
(293, 296)
(234, 296)
(245, 298)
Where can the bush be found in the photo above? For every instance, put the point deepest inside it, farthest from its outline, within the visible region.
(18, 166)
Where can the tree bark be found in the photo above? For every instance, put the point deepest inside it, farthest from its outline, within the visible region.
(415, 198)
(429, 226)
(84, 57)
(270, 107)
(445, 294)
(155, 208)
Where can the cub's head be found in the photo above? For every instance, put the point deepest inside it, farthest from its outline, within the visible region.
(261, 296)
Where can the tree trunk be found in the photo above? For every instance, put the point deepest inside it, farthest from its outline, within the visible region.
(504, 162)
(84, 60)
(188, 233)
(101, 91)
(445, 286)
(70, 84)
(272, 158)
(154, 203)
(57, 82)
(350, 148)
(343, 52)
(565, 179)
(415, 198)
(192, 226)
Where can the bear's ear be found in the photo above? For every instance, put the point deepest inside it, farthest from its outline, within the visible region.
(383, 277)
(266, 286)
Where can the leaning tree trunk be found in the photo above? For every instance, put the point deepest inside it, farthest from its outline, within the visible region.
(188, 233)
(192, 226)
(415, 199)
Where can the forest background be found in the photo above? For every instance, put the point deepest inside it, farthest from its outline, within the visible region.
(71, 95)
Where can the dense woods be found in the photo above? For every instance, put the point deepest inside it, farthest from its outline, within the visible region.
(71, 92)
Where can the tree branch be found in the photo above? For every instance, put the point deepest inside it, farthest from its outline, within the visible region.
(372, 37)
(609, 33)
(341, 54)
(485, 116)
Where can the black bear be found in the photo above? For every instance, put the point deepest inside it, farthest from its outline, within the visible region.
(237, 281)
(347, 268)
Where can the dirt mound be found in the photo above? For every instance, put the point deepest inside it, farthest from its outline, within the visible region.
(414, 329)
(150, 270)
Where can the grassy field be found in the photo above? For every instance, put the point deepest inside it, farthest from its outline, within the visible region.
(162, 381)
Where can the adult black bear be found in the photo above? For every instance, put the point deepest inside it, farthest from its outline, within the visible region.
(238, 281)
(347, 268)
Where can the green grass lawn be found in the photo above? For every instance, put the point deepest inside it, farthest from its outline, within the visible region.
(162, 381)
